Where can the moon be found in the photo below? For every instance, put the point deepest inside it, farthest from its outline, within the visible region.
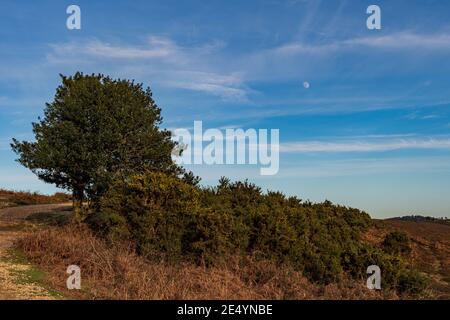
(306, 85)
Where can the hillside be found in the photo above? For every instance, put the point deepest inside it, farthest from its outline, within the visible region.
(419, 218)
(11, 198)
(252, 280)
(38, 241)
(37, 270)
(430, 244)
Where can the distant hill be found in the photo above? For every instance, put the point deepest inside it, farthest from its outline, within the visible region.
(419, 218)
(10, 198)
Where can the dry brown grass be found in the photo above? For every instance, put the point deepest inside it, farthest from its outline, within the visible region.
(116, 272)
(10, 198)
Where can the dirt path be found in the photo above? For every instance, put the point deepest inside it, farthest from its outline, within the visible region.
(17, 213)
(16, 276)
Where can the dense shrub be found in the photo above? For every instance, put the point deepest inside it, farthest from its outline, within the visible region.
(153, 210)
(113, 271)
(312, 237)
(394, 272)
(411, 282)
(397, 242)
(357, 261)
(164, 216)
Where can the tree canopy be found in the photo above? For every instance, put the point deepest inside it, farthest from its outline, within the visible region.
(95, 128)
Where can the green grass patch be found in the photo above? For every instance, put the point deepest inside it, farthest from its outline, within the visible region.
(32, 275)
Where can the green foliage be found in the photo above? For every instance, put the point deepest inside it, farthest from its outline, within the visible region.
(411, 282)
(313, 237)
(152, 209)
(364, 255)
(397, 242)
(164, 215)
(394, 272)
(95, 128)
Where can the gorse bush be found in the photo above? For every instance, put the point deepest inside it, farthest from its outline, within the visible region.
(397, 242)
(363, 255)
(312, 237)
(166, 217)
(114, 271)
(152, 209)
(411, 282)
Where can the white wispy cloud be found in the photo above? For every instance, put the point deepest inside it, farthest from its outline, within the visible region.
(168, 63)
(210, 69)
(404, 40)
(300, 47)
(155, 47)
(228, 87)
(322, 168)
(366, 145)
(354, 167)
(400, 40)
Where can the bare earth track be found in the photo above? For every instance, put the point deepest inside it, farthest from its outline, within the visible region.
(14, 284)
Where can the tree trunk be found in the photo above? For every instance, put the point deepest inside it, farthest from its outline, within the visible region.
(78, 196)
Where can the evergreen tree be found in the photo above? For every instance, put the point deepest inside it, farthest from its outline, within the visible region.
(97, 128)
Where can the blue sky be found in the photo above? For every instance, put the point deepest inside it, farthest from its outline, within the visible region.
(372, 131)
